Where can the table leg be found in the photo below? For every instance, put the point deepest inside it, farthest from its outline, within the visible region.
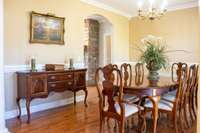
(86, 94)
(74, 97)
(19, 107)
(28, 109)
(155, 101)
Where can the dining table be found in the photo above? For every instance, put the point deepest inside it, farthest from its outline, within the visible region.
(144, 88)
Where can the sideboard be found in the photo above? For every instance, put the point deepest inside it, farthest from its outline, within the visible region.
(39, 84)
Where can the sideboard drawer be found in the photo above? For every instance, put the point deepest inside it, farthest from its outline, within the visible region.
(60, 77)
(60, 86)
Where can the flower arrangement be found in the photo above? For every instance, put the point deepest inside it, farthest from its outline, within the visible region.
(153, 54)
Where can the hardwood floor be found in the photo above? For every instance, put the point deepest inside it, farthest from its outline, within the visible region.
(75, 119)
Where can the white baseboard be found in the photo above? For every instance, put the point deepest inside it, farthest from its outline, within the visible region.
(5, 130)
(42, 107)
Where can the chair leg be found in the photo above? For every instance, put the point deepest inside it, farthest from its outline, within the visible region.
(175, 122)
(101, 124)
(115, 125)
(108, 123)
(142, 121)
(193, 106)
(190, 109)
(185, 113)
(121, 127)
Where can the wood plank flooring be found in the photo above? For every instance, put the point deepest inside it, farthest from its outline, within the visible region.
(75, 119)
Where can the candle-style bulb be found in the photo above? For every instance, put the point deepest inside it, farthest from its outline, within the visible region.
(140, 4)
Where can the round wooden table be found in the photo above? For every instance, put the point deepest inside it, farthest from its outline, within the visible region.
(154, 92)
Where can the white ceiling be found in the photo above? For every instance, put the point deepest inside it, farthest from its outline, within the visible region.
(129, 8)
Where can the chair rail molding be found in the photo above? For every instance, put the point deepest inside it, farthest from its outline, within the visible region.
(14, 68)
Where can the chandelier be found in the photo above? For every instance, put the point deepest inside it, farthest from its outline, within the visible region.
(152, 11)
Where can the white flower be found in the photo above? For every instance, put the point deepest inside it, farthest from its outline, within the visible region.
(150, 39)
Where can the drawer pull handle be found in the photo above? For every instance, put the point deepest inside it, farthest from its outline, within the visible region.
(69, 76)
(53, 85)
(53, 77)
(69, 83)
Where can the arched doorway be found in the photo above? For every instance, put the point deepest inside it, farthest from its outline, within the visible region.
(98, 44)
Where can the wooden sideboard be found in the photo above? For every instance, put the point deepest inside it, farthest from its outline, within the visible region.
(31, 85)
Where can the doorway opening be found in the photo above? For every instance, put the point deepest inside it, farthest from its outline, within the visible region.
(98, 44)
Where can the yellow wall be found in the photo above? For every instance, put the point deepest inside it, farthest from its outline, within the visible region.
(178, 28)
(198, 115)
(18, 49)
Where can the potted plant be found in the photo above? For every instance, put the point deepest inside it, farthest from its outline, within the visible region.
(153, 54)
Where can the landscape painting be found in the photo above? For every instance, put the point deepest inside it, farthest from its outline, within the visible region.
(46, 29)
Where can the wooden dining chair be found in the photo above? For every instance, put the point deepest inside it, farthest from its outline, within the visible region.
(189, 98)
(173, 107)
(174, 70)
(193, 92)
(126, 71)
(139, 74)
(111, 106)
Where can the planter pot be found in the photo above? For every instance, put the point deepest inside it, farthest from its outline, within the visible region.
(153, 78)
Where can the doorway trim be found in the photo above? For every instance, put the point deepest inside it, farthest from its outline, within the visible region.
(3, 128)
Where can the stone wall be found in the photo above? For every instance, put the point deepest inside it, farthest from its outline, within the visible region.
(92, 52)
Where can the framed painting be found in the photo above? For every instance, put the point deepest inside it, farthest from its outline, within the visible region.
(46, 29)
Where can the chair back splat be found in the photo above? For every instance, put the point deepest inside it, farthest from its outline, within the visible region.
(175, 68)
(126, 74)
(139, 74)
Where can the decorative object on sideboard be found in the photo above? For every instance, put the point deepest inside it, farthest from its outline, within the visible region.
(154, 56)
(33, 64)
(71, 63)
(46, 28)
(54, 67)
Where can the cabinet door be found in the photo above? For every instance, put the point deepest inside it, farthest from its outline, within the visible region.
(38, 85)
(80, 79)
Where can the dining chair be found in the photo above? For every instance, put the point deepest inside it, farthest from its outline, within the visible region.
(111, 106)
(189, 97)
(139, 73)
(174, 72)
(126, 71)
(193, 92)
(173, 107)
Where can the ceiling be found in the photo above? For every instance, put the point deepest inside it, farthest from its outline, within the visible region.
(129, 8)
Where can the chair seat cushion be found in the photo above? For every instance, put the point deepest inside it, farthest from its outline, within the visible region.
(163, 105)
(169, 97)
(130, 109)
(173, 93)
(130, 98)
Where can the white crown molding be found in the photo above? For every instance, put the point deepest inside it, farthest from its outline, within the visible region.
(184, 6)
(15, 68)
(128, 15)
(107, 7)
(44, 106)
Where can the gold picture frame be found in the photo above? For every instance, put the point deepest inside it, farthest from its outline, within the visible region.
(46, 29)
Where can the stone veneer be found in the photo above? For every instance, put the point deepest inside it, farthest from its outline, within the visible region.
(91, 48)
